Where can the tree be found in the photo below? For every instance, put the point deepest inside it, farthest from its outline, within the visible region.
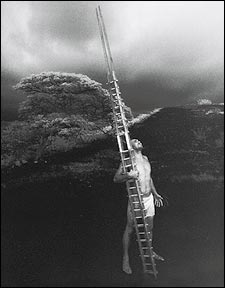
(31, 139)
(65, 108)
(54, 92)
(204, 102)
(47, 128)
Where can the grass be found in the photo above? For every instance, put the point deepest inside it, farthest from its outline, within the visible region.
(63, 217)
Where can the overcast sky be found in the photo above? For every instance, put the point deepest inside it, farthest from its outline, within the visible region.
(165, 52)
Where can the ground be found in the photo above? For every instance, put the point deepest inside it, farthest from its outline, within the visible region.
(66, 231)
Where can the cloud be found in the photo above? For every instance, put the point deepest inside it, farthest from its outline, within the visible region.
(175, 42)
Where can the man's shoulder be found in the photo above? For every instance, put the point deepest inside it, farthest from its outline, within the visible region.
(145, 157)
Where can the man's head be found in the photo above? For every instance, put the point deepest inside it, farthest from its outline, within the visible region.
(136, 145)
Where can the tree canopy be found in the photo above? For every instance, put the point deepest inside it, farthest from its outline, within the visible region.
(62, 111)
(55, 92)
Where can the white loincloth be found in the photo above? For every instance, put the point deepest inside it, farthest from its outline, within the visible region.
(149, 205)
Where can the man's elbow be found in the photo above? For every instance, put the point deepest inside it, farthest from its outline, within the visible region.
(116, 179)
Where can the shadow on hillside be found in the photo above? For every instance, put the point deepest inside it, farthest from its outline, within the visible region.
(65, 229)
(69, 234)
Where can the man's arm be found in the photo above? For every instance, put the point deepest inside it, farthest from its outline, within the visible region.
(153, 190)
(152, 186)
(122, 176)
(158, 198)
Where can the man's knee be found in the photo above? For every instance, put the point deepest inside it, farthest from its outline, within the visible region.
(150, 223)
(129, 227)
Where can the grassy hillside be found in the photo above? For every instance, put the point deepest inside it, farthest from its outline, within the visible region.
(63, 217)
(181, 143)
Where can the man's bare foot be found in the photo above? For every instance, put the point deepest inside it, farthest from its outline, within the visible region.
(157, 257)
(126, 265)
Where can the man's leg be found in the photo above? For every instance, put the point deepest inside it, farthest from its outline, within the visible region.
(126, 241)
(149, 221)
(150, 231)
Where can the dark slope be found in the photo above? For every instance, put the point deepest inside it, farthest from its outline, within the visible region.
(64, 229)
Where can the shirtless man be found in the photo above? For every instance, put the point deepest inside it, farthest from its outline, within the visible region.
(150, 198)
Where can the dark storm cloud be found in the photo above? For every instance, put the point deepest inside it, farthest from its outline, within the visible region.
(166, 52)
(54, 35)
(65, 20)
(153, 90)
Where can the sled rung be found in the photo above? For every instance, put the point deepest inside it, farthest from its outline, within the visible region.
(118, 103)
(129, 165)
(141, 225)
(128, 158)
(135, 195)
(147, 256)
(150, 271)
(132, 186)
(118, 106)
(121, 119)
(113, 81)
(149, 264)
(115, 94)
(143, 240)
